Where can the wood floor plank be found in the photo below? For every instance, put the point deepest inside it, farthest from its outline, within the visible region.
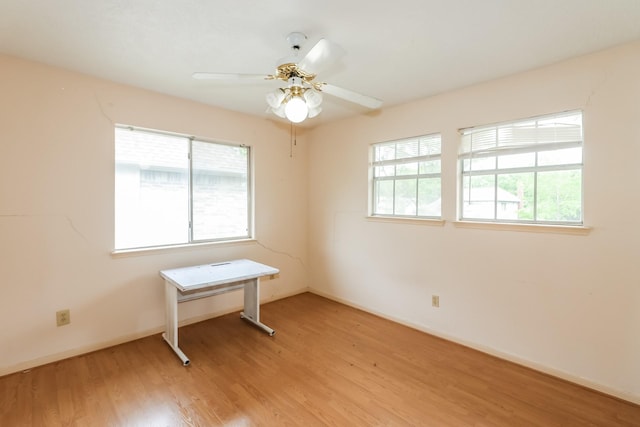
(328, 364)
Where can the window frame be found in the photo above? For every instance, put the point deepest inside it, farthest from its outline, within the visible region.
(191, 241)
(373, 179)
(532, 148)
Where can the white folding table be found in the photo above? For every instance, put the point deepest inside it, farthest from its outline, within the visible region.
(200, 281)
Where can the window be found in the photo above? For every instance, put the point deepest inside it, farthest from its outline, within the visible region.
(172, 189)
(406, 177)
(528, 171)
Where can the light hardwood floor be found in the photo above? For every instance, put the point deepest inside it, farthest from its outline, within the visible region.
(328, 364)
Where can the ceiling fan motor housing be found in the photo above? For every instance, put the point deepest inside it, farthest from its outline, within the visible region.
(296, 39)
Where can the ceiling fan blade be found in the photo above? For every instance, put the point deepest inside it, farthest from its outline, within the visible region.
(229, 76)
(323, 54)
(348, 95)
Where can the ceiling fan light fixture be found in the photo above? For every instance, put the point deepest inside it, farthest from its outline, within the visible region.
(296, 109)
(302, 97)
(279, 111)
(314, 112)
(313, 98)
(275, 98)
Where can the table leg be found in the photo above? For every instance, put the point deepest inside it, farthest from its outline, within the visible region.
(171, 326)
(251, 311)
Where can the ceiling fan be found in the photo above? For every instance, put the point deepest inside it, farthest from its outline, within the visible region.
(302, 96)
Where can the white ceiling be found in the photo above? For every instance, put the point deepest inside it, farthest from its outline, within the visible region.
(397, 51)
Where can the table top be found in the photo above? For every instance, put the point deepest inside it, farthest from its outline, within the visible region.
(220, 273)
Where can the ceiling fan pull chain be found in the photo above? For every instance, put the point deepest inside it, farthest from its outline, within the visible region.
(291, 139)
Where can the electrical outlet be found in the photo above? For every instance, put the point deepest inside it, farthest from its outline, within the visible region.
(435, 301)
(63, 317)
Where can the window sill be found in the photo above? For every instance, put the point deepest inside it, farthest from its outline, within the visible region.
(412, 221)
(121, 253)
(576, 230)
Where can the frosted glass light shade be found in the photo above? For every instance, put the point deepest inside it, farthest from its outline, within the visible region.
(314, 112)
(296, 109)
(279, 111)
(313, 98)
(274, 99)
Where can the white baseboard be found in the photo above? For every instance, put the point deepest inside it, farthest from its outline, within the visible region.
(493, 352)
(51, 358)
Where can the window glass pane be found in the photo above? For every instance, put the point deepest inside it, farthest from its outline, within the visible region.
(220, 191)
(479, 164)
(151, 189)
(560, 157)
(383, 193)
(483, 163)
(407, 169)
(405, 197)
(429, 195)
(382, 171)
(560, 196)
(478, 195)
(515, 196)
(517, 161)
(432, 166)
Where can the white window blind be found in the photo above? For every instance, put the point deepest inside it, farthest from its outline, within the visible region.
(547, 132)
(523, 171)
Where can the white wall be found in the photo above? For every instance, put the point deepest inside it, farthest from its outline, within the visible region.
(565, 304)
(57, 209)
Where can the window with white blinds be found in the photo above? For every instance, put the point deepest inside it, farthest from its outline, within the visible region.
(527, 171)
(406, 177)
